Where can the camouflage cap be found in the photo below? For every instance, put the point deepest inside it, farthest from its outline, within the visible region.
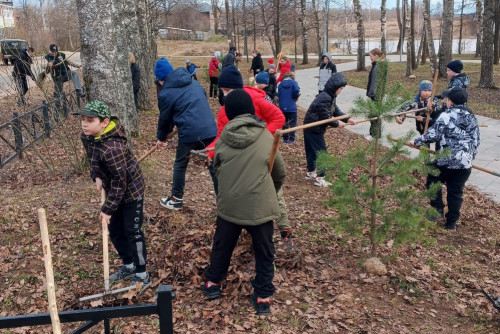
(95, 109)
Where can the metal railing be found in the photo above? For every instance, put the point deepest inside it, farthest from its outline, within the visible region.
(24, 130)
(162, 307)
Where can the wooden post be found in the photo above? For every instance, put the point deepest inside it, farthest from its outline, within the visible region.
(47, 256)
(105, 253)
(274, 150)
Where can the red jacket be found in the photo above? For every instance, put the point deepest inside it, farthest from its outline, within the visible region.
(213, 67)
(284, 68)
(264, 110)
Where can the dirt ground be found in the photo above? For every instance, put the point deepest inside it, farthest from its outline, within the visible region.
(431, 287)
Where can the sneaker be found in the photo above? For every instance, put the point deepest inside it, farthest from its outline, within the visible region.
(122, 273)
(286, 237)
(451, 227)
(80, 93)
(311, 175)
(172, 203)
(211, 292)
(146, 282)
(321, 182)
(262, 308)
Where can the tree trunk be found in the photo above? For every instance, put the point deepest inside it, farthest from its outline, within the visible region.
(104, 54)
(229, 31)
(305, 52)
(254, 29)
(496, 50)
(400, 26)
(428, 36)
(486, 78)
(383, 30)
(295, 35)
(414, 62)
(445, 48)
(316, 30)
(408, 36)
(245, 38)
(361, 35)
(235, 28)
(277, 34)
(479, 35)
(423, 49)
(216, 16)
(146, 54)
(461, 28)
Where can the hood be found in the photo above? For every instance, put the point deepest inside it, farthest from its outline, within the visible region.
(286, 83)
(335, 82)
(178, 78)
(254, 93)
(287, 65)
(242, 131)
(327, 55)
(464, 78)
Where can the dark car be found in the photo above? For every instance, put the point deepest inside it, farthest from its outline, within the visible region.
(10, 48)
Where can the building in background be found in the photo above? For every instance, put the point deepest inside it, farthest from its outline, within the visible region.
(6, 18)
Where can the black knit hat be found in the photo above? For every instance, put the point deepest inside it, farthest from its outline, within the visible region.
(457, 95)
(53, 48)
(456, 66)
(238, 102)
(230, 78)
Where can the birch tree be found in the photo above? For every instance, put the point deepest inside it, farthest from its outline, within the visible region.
(383, 30)
(409, 67)
(479, 35)
(316, 30)
(428, 36)
(486, 78)
(361, 35)
(445, 48)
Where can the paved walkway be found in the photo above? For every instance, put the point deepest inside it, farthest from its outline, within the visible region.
(489, 149)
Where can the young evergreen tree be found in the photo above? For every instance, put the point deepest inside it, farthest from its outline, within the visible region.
(374, 189)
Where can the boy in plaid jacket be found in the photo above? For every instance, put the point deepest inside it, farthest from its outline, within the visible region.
(114, 168)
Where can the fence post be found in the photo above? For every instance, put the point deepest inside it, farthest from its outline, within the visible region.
(165, 309)
(18, 135)
(45, 117)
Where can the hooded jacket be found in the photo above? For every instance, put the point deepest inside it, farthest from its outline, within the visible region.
(456, 129)
(324, 105)
(183, 103)
(460, 80)
(257, 65)
(136, 77)
(22, 64)
(213, 67)
(112, 161)
(288, 93)
(326, 70)
(264, 110)
(228, 60)
(286, 67)
(247, 191)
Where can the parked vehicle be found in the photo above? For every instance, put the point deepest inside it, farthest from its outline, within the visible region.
(9, 49)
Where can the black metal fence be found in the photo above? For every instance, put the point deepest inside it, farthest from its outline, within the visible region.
(163, 308)
(24, 130)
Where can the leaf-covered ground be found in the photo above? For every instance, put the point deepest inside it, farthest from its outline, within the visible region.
(431, 287)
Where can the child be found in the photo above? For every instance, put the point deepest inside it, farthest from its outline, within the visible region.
(246, 200)
(114, 168)
(314, 137)
(326, 70)
(284, 67)
(457, 79)
(136, 79)
(422, 100)
(456, 129)
(257, 65)
(371, 90)
(272, 78)
(262, 82)
(288, 93)
(213, 73)
(191, 67)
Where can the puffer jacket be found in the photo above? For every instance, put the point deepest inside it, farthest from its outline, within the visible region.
(286, 67)
(456, 129)
(326, 70)
(112, 161)
(228, 60)
(257, 65)
(460, 80)
(247, 191)
(288, 93)
(324, 105)
(183, 103)
(213, 67)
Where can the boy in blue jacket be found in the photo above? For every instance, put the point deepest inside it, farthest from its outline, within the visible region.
(191, 67)
(288, 94)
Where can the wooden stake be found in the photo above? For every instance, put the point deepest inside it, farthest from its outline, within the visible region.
(47, 256)
(105, 254)
(274, 150)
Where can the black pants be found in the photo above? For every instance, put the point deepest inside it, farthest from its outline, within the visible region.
(126, 234)
(221, 97)
(213, 86)
(455, 181)
(314, 143)
(225, 238)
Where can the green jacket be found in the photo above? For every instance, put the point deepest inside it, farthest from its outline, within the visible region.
(247, 191)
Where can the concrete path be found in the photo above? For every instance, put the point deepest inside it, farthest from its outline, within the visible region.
(489, 149)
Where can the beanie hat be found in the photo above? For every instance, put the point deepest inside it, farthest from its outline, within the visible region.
(232, 49)
(270, 61)
(424, 84)
(162, 69)
(188, 61)
(272, 66)
(95, 109)
(456, 66)
(230, 77)
(53, 48)
(262, 78)
(457, 95)
(217, 54)
(238, 102)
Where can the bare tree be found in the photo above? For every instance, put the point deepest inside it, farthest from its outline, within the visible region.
(408, 36)
(496, 37)
(411, 41)
(479, 35)
(315, 10)
(245, 38)
(277, 31)
(428, 36)
(361, 35)
(461, 27)
(229, 30)
(305, 52)
(383, 30)
(267, 16)
(486, 78)
(400, 25)
(445, 48)
(104, 54)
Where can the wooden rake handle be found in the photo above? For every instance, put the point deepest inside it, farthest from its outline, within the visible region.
(105, 251)
(152, 149)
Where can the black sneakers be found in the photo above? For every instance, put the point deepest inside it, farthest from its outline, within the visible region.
(211, 292)
(146, 282)
(262, 308)
(172, 203)
(122, 273)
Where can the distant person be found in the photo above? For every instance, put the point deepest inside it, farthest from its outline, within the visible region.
(371, 89)
(262, 82)
(257, 65)
(326, 70)
(273, 86)
(191, 67)
(229, 60)
(136, 78)
(213, 74)
(288, 94)
(457, 79)
(284, 67)
(22, 68)
(59, 69)
(237, 59)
